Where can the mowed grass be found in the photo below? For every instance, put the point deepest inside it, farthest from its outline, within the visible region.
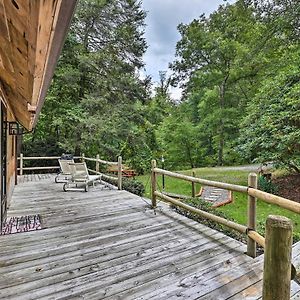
(237, 210)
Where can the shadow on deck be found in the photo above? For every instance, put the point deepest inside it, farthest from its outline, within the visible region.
(108, 244)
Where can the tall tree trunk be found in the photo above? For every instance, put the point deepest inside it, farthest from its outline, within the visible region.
(82, 90)
(221, 128)
(189, 154)
(77, 149)
(221, 145)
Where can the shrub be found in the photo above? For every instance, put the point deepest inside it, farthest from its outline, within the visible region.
(130, 185)
(206, 206)
(134, 186)
(267, 185)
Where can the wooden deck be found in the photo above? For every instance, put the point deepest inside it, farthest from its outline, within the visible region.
(108, 244)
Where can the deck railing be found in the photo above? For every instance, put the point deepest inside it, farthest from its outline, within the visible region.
(278, 270)
(278, 240)
(97, 161)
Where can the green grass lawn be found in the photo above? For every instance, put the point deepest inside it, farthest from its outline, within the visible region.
(236, 210)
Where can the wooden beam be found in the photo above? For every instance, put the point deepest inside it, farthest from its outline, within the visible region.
(62, 23)
(277, 258)
(226, 186)
(238, 227)
(31, 37)
(153, 183)
(273, 199)
(47, 14)
(251, 244)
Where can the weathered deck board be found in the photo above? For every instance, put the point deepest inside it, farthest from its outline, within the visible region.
(251, 291)
(108, 244)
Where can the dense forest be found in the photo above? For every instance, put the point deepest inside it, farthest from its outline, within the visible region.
(239, 69)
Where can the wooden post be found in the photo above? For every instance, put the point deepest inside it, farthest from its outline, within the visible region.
(277, 258)
(193, 185)
(251, 244)
(120, 173)
(82, 157)
(21, 164)
(153, 182)
(97, 163)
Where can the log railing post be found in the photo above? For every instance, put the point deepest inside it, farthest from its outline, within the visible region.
(21, 164)
(277, 258)
(97, 163)
(83, 157)
(193, 186)
(153, 183)
(251, 244)
(120, 173)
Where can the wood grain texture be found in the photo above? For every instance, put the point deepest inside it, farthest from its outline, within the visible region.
(109, 244)
(29, 31)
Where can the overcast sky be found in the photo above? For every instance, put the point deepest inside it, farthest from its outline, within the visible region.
(161, 33)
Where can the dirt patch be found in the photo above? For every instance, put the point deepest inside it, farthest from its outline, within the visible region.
(288, 187)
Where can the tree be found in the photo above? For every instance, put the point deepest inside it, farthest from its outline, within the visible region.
(178, 138)
(218, 59)
(272, 126)
(96, 96)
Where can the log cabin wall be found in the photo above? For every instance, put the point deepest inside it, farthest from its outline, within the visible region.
(11, 154)
(11, 161)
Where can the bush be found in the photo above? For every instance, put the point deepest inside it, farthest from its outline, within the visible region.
(134, 186)
(130, 185)
(206, 206)
(267, 185)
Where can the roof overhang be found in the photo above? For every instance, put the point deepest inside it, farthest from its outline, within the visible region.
(32, 33)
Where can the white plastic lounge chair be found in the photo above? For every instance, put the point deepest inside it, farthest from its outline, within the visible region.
(65, 173)
(80, 176)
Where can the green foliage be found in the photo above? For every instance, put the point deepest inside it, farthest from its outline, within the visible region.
(238, 69)
(134, 186)
(217, 64)
(237, 210)
(272, 128)
(96, 103)
(178, 139)
(267, 185)
(205, 206)
(131, 185)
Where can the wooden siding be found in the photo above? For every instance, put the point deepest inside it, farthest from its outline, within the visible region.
(31, 37)
(109, 244)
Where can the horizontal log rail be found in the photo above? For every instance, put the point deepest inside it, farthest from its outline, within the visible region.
(273, 199)
(238, 227)
(97, 160)
(39, 168)
(103, 175)
(230, 224)
(44, 157)
(23, 158)
(266, 197)
(272, 254)
(105, 162)
(227, 186)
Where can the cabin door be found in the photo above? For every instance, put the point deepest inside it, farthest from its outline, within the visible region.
(3, 169)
